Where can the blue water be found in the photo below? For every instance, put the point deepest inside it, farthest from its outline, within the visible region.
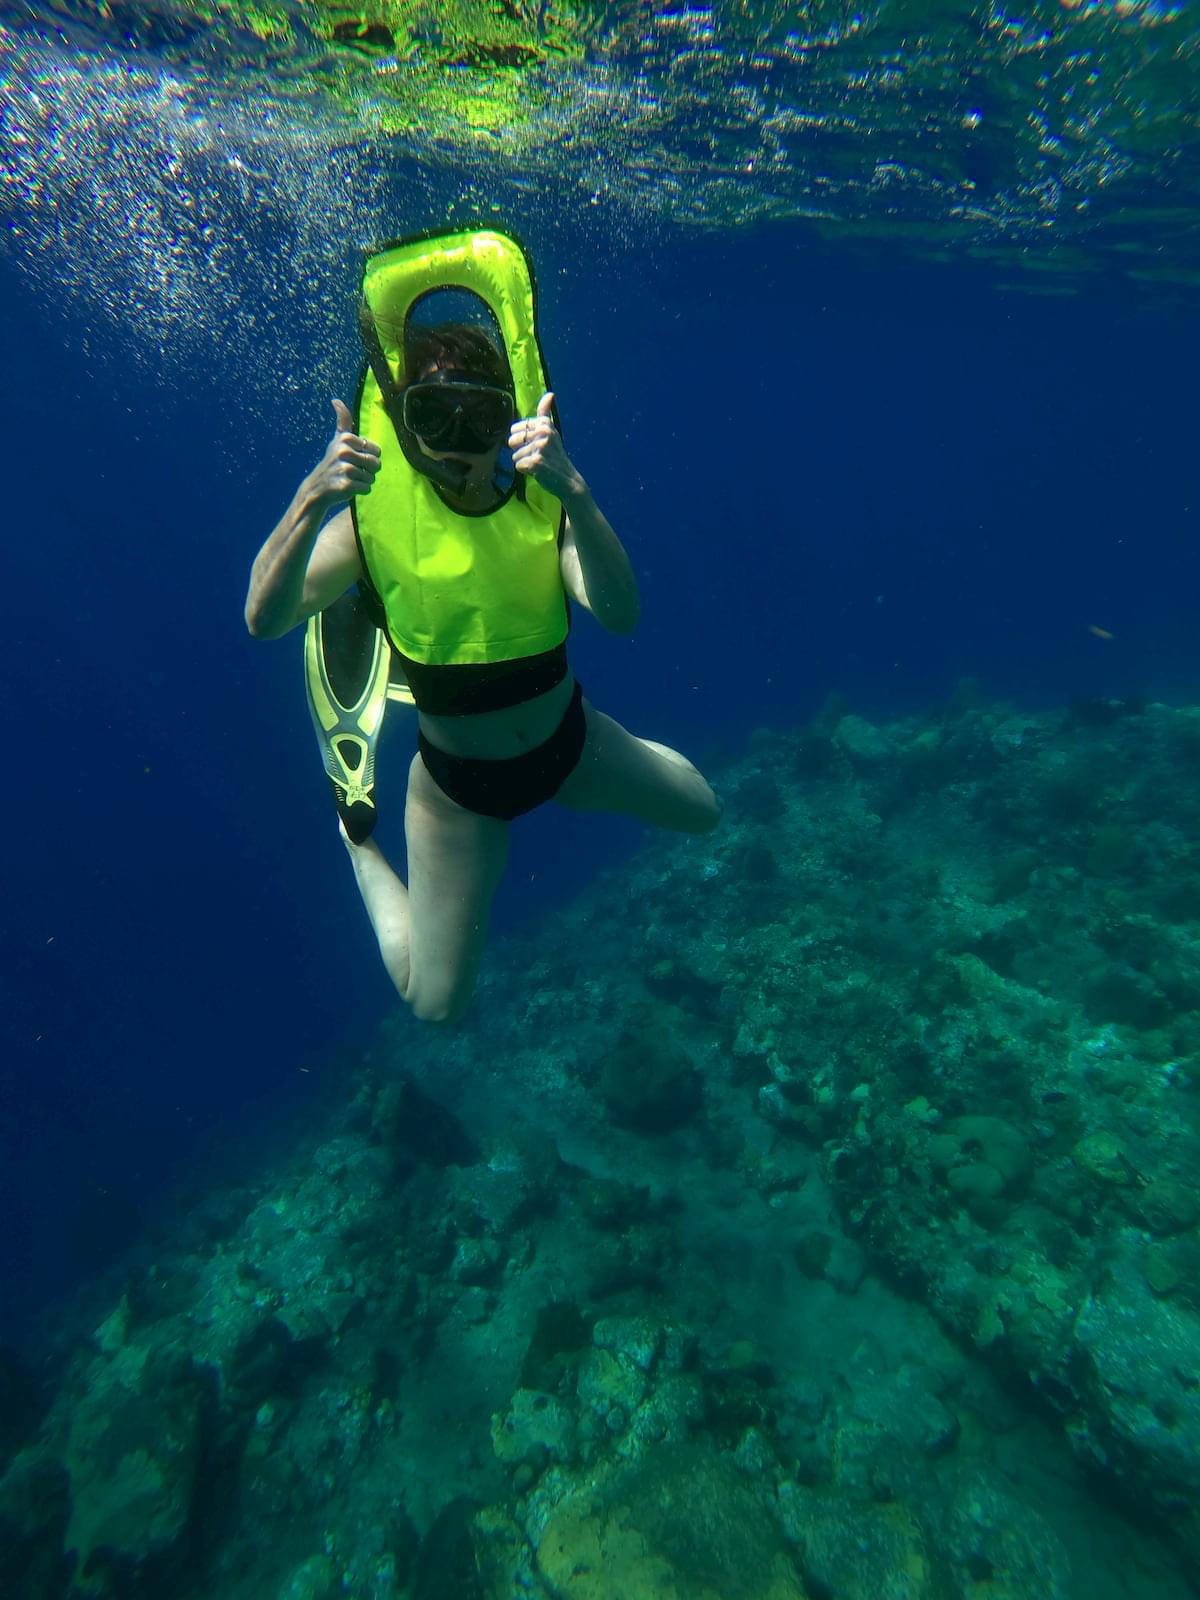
(871, 1114)
(869, 479)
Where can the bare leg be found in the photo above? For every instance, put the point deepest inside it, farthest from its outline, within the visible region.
(386, 900)
(456, 858)
(638, 778)
(431, 934)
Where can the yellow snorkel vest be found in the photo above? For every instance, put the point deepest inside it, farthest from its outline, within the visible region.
(457, 589)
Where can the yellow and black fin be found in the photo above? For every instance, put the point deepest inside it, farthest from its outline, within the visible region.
(348, 672)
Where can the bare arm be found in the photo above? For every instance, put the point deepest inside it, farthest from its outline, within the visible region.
(301, 569)
(288, 585)
(595, 569)
(307, 562)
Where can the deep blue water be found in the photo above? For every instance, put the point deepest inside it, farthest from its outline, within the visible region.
(829, 476)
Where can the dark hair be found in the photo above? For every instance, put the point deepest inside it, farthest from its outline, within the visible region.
(457, 345)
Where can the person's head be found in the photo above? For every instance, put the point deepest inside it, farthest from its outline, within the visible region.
(457, 392)
(455, 347)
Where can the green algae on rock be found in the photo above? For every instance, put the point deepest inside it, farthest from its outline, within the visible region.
(679, 1524)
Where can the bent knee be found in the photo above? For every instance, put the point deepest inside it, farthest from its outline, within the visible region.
(706, 812)
(438, 1005)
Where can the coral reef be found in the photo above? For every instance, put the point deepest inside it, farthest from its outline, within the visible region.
(809, 1211)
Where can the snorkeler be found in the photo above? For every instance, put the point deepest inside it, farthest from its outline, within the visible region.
(467, 562)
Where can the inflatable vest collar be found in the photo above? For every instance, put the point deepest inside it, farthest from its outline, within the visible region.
(483, 262)
(454, 588)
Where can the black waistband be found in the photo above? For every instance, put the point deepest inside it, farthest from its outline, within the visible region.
(462, 691)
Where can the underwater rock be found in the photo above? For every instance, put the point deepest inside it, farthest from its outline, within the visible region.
(649, 1085)
(1011, 874)
(269, 1360)
(113, 1333)
(1139, 1372)
(514, 1181)
(857, 1551)
(999, 1548)
(133, 1452)
(1172, 1268)
(559, 1335)
(1092, 713)
(431, 1246)
(815, 754)
(639, 1339)
(474, 1306)
(950, 980)
(745, 1361)
(610, 1205)
(610, 1383)
(754, 1455)
(791, 1118)
(758, 797)
(503, 1558)
(882, 1438)
(1161, 1272)
(737, 1398)
(633, 1260)
(929, 760)
(979, 1158)
(476, 1261)
(755, 862)
(879, 1016)
(682, 983)
(314, 1579)
(1114, 850)
(679, 1524)
(1166, 1205)
(1178, 900)
(446, 1568)
(35, 1507)
(631, 1391)
(668, 1415)
(862, 741)
(536, 1427)
(389, 1552)
(812, 1252)
(1124, 995)
(1102, 1156)
(976, 1180)
(417, 1128)
(1001, 1146)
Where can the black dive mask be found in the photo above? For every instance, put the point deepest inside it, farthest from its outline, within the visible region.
(458, 423)
(450, 412)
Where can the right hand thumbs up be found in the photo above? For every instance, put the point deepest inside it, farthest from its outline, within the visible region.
(349, 464)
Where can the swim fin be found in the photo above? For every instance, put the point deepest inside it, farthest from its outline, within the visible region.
(347, 673)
